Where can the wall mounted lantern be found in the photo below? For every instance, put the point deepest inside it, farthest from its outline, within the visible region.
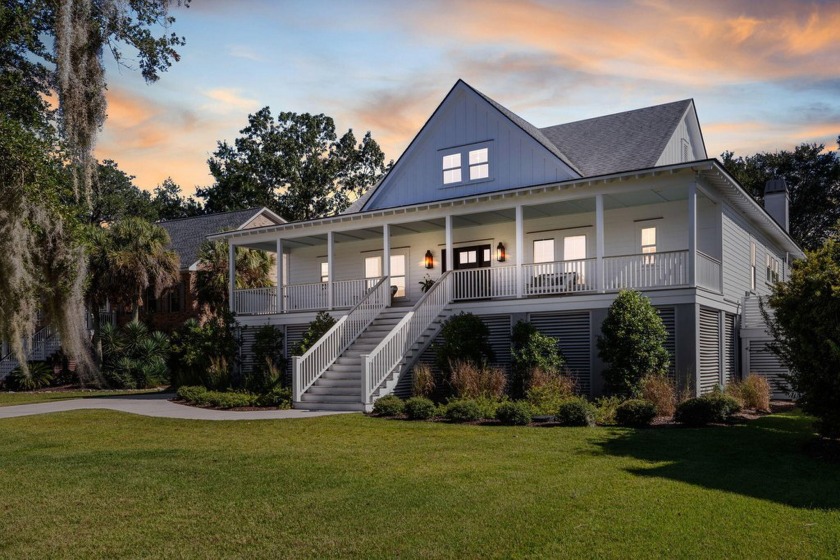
(500, 252)
(428, 260)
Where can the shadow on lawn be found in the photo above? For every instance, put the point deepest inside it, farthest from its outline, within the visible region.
(763, 459)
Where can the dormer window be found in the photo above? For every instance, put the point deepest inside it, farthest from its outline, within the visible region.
(451, 169)
(479, 166)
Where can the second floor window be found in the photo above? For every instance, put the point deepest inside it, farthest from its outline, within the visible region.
(649, 244)
(325, 272)
(479, 166)
(752, 265)
(544, 250)
(451, 169)
(772, 268)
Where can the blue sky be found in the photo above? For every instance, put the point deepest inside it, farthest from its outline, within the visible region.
(764, 75)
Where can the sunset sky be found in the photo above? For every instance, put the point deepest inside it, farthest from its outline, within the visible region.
(764, 75)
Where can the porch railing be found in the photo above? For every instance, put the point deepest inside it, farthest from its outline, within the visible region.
(255, 301)
(560, 277)
(347, 293)
(306, 297)
(382, 360)
(708, 272)
(300, 297)
(484, 283)
(308, 368)
(650, 270)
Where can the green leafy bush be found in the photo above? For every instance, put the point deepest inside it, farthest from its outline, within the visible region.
(463, 410)
(575, 412)
(389, 405)
(318, 328)
(514, 413)
(133, 357)
(419, 408)
(195, 394)
(277, 397)
(712, 408)
(532, 350)
(635, 413)
(548, 390)
(231, 399)
(605, 409)
(37, 376)
(631, 342)
(269, 361)
(204, 354)
(465, 339)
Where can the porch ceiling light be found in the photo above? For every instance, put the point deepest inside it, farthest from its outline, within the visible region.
(428, 260)
(500, 252)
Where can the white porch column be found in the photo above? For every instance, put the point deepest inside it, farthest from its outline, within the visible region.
(386, 255)
(692, 233)
(600, 278)
(330, 243)
(449, 259)
(280, 279)
(231, 274)
(520, 250)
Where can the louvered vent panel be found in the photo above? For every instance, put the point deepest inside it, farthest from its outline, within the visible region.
(669, 319)
(765, 363)
(573, 332)
(294, 334)
(709, 350)
(730, 370)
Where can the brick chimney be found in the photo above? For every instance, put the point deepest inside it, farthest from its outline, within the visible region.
(776, 201)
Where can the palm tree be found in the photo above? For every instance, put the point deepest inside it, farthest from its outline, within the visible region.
(253, 270)
(140, 260)
(99, 285)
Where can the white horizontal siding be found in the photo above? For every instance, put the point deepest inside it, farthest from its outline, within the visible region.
(737, 234)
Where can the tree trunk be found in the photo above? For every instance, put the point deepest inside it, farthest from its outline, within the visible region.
(97, 334)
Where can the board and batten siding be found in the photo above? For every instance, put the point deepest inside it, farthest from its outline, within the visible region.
(573, 333)
(709, 350)
(464, 118)
(685, 144)
(737, 234)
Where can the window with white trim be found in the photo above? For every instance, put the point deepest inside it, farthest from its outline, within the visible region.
(752, 265)
(325, 272)
(373, 267)
(479, 164)
(543, 250)
(451, 169)
(398, 274)
(772, 268)
(648, 243)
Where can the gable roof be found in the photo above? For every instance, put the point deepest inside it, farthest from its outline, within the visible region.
(187, 234)
(619, 142)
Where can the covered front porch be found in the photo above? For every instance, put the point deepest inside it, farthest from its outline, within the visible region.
(652, 236)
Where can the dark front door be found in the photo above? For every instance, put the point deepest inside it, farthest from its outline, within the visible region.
(476, 283)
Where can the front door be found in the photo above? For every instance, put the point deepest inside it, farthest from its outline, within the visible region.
(474, 284)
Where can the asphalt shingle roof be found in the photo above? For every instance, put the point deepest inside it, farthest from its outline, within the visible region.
(187, 234)
(620, 142)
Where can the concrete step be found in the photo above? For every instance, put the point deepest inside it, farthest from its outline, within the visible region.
(333, 374)
(322, 405)
(338, 382)
(342, 368)
(309, 397)
(349, 361)
(332, 392)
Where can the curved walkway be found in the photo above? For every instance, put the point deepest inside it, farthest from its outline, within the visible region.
(157, 405)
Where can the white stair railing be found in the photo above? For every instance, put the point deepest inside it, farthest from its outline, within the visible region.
(308, 368)
(382, 360)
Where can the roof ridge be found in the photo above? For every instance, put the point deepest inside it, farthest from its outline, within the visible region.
(200, 216)
(689, 99)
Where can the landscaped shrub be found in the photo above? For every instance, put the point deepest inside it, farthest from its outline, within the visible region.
(202, 354)
(470, 380)
(423, 381)
(39, 375)
(133, 357)
(195, 394)
(635, 413)
(753, 392)
(605, 410)
(514, 413)
(714, 407)
(463, 410)
(269, 361)
(531, 351)
(660, 391)
(465, 339)
(323, 322)
(631, 342)
(219, 399)
(547, 390)
(389, 405)
(575, 412)
(277, 396)
(419, 408)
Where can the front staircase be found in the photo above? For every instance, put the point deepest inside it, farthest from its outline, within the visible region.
(340, 386)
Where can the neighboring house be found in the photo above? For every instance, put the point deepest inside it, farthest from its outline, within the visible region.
(186, 235)
(517, 222)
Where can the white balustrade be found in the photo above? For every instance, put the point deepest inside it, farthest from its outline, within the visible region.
(650, 270)
(308, 368)
(382, 360)
(561, 277)
(255, 301)
(305, 297)
(708, 272)
(347, 293)
(484, 283)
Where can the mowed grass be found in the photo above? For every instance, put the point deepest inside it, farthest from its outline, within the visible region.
(32, 397)
(101, 484)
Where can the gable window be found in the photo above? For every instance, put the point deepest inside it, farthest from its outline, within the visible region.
(649, 244)
(325, 272)
(543, 250)
(752, 265)
(451, 169)
(772, 268)
(479, 166)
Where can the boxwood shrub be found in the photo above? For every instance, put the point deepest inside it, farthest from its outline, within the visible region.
(575, 412)
(389, 405)
(715, 407)
(514, 413)
(463, 410)
(635, 413)
(419, 408)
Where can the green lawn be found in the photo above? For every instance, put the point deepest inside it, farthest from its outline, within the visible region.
(100, 484)
(10, 399)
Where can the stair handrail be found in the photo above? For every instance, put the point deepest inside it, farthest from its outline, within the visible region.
(308, 368)
(381, 361)
(39, 337)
